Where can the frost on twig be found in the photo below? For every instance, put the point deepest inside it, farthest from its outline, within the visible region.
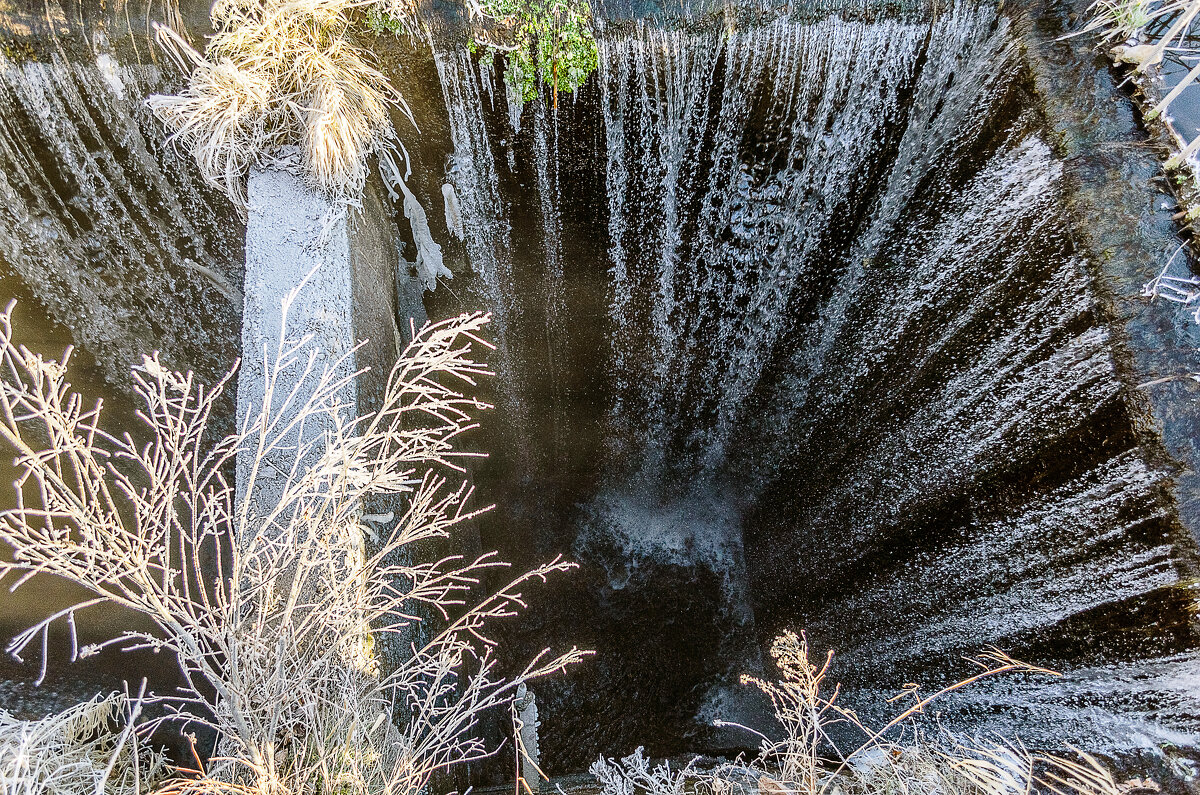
(1183, 290)
(1144, 33)
(268, 630)
(634, 775)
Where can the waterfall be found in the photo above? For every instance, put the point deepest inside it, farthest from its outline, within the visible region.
(114, 237)
(477, 184)
(745, 176)
(841, 281)
(794, 330)
(109, 229)
(855, 378)
(545, 132)
(473, 172)
(660, 80)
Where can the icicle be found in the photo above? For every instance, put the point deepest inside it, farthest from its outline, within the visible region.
(454, 221)
(429, 253)
(487, 76)
(526, 722)
(516, 106)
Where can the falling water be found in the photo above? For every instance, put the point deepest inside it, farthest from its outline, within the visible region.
(793, 331)
(855, 368)
(545, 132)
(474, 174)
(750, 176)
(857, 290)
(672, 75)
(489, 248)
(110, 239)
(106, 225)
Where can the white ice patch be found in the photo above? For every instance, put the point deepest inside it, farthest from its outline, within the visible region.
(516, 106)
(108, 71)
(454, 221)
(429, 254)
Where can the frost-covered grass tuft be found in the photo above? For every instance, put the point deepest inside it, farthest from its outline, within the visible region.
(81, 750)
(635, 774)
(280, 73)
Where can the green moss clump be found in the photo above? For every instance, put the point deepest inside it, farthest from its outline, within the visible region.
(379, 21)
(544, 42)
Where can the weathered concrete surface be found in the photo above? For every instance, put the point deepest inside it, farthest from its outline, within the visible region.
(343, 262)
(297, 253)
(1122, 213)
(382, 313)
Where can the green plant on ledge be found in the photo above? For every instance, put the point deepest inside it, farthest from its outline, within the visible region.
(546, 42)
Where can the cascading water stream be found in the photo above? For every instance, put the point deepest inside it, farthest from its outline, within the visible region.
(672, 74)
(109, 228)
(545, 132)
(793, 330)
(474, 173)
(477, 184)
(753, 223)
(854, 377)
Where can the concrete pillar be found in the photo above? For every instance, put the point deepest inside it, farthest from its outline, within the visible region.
(292, 234)
(347, 259)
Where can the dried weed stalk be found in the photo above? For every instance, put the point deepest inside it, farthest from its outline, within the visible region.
(266, 610)
(792, 763)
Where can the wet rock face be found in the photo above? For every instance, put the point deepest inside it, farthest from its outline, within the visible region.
(806, 311)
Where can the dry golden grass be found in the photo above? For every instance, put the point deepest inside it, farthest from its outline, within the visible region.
(281, 73)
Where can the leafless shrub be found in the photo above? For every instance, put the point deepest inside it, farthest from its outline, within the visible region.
(806, 711)
(634, 775)
(274, 643)
(802, 709)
